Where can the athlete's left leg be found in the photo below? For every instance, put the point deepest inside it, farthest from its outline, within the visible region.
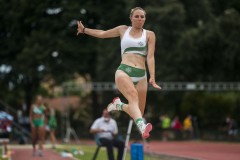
(52, 137)
(141, 89)
(41, 134)
(142, 94)
(118, 105)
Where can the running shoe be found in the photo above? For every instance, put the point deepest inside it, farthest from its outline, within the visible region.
(33, 153)
(115, 105)
(40, 154)
(147, 129)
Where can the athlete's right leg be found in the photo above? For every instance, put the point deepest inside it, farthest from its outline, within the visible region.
(52, 137)
(34, 139)
(141, 88)
(127, 88)
(41, 135)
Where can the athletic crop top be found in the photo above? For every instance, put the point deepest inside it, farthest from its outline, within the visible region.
(38, 110)
(134, 45)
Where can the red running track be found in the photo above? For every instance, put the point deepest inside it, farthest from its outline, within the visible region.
(197, 150)
(26, 154)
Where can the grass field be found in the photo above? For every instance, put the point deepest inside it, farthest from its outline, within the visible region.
(89, 150)
(2, 157)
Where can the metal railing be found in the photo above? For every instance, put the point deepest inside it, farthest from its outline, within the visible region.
(21, 130)
(166, 86)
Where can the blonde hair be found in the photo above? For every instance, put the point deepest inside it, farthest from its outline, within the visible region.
(137, 8)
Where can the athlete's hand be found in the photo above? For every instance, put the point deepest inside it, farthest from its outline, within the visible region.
(154, 84)
(80, 27)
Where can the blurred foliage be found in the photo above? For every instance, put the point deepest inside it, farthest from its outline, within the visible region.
(210, 108)
(196, 41)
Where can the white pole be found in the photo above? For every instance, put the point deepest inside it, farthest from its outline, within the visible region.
(127, 138)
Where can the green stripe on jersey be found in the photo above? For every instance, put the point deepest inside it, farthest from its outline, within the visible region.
(143, 55)
(135, 49)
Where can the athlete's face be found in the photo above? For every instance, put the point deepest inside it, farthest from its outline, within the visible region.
(39, 100)
(138, 18)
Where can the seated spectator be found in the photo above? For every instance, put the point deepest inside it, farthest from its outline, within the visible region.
(106, 129)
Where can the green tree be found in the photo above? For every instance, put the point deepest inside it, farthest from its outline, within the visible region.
(210, 51)
(38, 39)
(210, 108)
(35, 42)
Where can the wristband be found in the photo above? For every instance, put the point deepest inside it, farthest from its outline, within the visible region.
(83, 30)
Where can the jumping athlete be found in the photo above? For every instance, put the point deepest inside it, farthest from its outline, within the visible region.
(137, 46)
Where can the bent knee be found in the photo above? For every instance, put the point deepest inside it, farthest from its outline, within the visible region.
(133, 95)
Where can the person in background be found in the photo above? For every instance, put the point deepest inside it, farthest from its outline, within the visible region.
(188, 127)
(37, 121)
(51, 125)
(177, 128)
(232, 128)
(166, 124)
(106, 129)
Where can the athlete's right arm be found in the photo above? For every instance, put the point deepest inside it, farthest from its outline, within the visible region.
(31, 116)
(114, 32)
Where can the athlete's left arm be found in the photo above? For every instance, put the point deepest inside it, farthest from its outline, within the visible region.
(150, 58)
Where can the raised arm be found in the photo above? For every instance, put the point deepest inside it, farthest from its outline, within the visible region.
(115, 32)
(151, 59)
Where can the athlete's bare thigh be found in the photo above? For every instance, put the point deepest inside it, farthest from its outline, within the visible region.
(125, 85)
(142, 93)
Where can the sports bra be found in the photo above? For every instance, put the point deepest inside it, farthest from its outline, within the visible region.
(38, 110)
(134, 45)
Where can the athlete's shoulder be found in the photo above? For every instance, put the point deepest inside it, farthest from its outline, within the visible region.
(150, 32)
(32, 107)
(122, 28)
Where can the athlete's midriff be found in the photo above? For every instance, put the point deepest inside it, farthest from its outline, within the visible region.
(37, 116)
(133, 60)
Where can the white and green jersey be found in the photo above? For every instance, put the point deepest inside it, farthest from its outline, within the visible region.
(134, 45)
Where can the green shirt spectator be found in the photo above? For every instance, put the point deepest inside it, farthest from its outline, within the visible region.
(166, 122)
